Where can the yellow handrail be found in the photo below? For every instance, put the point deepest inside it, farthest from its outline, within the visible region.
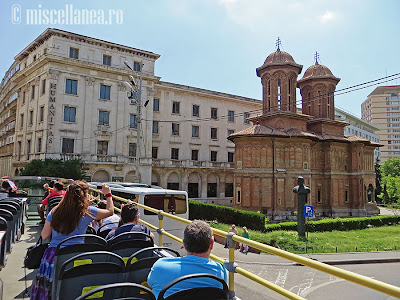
(347, 275)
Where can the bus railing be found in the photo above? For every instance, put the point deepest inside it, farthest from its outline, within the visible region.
(234, 268)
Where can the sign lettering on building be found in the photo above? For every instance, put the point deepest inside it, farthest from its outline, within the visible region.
(52, 112)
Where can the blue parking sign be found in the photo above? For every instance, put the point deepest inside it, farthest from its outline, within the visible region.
(308, 211)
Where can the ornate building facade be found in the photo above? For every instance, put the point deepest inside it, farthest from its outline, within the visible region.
(283, 144)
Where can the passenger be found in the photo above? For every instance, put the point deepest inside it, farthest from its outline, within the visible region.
(9, 188)
(111, 221)
(234, 230)
(69, 218)
(198, 241)
(42, 208)
(243, 247)
(129, 220)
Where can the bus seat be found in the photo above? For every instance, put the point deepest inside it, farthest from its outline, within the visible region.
(90, 230)
(8, 216)
(86, 243)
(93, 257)
(3, 255)
(140, 263)
(209, 293)
(78, 280)
(126, 290)
(18, 207)
(104, 232)
(127, 243)
(52, 202)
(14, 212)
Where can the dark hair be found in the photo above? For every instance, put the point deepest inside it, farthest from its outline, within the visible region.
(129, 212)
(5, 185)
(51, 184)
(197, 237)
(67, 214)
(102, 204)
(59, 185)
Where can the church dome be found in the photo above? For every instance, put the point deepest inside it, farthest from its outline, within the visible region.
(318, 71)
(279, 58)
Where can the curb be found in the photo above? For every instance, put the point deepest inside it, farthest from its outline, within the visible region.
(358, 261)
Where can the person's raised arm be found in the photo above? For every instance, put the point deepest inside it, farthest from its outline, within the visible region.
(109, 211)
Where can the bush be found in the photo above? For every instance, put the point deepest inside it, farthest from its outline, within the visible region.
(227, 215)
(337, 224)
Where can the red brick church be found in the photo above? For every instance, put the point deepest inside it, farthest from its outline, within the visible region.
(283, 144)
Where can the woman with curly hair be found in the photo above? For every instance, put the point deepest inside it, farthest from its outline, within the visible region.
(69, 218)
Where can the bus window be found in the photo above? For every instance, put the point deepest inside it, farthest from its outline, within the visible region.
(175, 204)
(127, 196)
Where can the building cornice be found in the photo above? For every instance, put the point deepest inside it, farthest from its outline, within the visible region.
(81, 38)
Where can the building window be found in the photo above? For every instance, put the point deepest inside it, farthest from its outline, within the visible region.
(175, 129)
(230, 156)
(133, 121)
(43, 86)
(67, 145)
(107, 60)
(31, 117)
(246, 116)
(33, 92)
(104, 117)
(175, 107)
(195, 131)
(319, 196)
(213, 155)
(156, 104)
(155, 127)
(214, 134)
(102, 148)
(71, 87)
(346, 196)
(132, 149)
(22, 120)
(28, 149)
(39, 145)
(154, 152)
(41, 114)
(196, 111)
(73, 53)
(23, 97)
(193, 190)
(136, 66)
(174, 153)
(228, 189)
(231, 116)
(19, 150)
(195, 154)
(211, 190)
(105, 92)
(214, 113)
(69, 114)
(230, 131)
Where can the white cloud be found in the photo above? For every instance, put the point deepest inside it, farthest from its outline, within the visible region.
(326, 17)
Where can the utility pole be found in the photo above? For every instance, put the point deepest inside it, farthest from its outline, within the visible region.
(136, 95)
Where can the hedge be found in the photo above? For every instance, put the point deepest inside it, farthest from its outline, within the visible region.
(338, 224)
(227, 215)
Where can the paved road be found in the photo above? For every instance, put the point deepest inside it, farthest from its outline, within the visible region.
(310, 283)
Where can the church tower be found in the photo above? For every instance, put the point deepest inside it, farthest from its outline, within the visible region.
(279, 81)
(317, 89)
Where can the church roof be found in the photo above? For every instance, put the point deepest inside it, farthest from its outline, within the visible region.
(264, 130)
(318, 71)
(279, 58)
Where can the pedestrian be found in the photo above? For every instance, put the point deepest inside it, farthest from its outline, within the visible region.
(243, 247)
(234, 230)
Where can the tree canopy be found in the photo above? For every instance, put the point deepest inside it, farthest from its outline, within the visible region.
(69, 169)
(390, 172)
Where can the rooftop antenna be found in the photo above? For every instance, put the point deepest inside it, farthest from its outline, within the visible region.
(316, 57)
(278, 44)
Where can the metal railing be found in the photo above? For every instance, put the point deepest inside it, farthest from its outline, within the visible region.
(234, 268)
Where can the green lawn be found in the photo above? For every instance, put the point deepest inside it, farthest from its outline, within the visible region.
(372, 239)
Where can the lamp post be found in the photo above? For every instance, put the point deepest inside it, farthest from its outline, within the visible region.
(136, 94)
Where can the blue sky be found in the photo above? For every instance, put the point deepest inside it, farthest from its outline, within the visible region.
(218, 44)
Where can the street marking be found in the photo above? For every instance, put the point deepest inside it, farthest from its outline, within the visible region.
(282, 276)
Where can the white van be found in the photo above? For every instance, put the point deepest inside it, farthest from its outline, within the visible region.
(170, 201)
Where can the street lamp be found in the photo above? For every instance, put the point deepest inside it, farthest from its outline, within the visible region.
(135, 95)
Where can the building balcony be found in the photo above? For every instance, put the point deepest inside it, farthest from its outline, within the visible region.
(191, 164)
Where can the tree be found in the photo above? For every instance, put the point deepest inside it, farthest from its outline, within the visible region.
(69, 169)
(390, 172)
(378, 181)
